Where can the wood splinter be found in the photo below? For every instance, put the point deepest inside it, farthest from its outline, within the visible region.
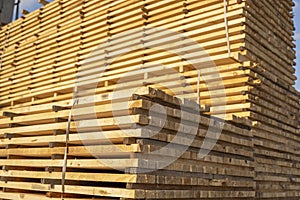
(25, 12)
(43, 2)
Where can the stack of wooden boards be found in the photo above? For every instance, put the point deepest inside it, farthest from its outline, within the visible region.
(44, 50)
(269, 44)
(249, 41)
(157, 153)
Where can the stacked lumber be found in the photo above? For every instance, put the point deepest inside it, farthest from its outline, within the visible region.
(121, 160)
(269, 43)
(45, 49)
(247, 71)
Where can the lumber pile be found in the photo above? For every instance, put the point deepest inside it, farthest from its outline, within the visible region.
(45, 49)
(122, 163)
(269, 43)
(246, 77)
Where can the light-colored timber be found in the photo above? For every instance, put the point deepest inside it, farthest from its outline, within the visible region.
(79, 56)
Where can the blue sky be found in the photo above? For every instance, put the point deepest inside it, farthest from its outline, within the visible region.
(31, 5)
